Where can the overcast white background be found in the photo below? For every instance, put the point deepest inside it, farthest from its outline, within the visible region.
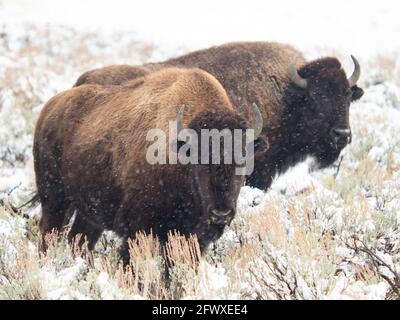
(360, 27)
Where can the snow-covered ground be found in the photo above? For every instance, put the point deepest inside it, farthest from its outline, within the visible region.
(332, 234)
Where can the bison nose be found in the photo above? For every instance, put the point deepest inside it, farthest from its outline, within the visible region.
(221, 213)
(341, 136)
(221, 217)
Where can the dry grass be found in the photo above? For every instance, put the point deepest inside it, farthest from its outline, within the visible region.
(18, 271)
(23, 268)
(336, 237)
(386, 67)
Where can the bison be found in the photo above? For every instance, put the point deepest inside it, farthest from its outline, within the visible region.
(90, 158)
(304, 105)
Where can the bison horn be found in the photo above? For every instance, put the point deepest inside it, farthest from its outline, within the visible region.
(179, 127)
(258, 123)
(295, 77)
(356, 73)
(179, 119)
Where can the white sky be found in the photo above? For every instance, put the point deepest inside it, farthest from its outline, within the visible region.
(359, 27)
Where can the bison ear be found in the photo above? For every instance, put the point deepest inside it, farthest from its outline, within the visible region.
(357, 93)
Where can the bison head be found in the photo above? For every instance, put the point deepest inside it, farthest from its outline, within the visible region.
(215, 186)
(323, 128)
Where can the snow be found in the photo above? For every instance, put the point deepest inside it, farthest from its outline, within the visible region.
(107, 290)
(57, 284)
(212, 279)
(357, 291)
(295, 179)
(376, 153)
(250, 197)
(307, 216)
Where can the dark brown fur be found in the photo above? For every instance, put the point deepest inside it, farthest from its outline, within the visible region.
(89, 156)
(297, 122)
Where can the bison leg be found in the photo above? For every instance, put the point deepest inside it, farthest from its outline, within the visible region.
(51, 191)
(51, 220)
(124, 252)
(83, 231)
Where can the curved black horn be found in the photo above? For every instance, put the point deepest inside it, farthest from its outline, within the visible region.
(356, 73)
(294, 75)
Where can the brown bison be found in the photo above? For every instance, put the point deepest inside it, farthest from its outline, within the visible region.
(305, 105)
(90, 158)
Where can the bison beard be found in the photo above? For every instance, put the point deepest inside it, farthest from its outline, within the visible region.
(89, 157)
(293, 102)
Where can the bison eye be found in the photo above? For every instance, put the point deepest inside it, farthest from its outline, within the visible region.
(179, 144)
(257, 143)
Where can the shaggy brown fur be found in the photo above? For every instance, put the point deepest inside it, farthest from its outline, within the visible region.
(112, 75)
(90, 156)
(297, 122)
